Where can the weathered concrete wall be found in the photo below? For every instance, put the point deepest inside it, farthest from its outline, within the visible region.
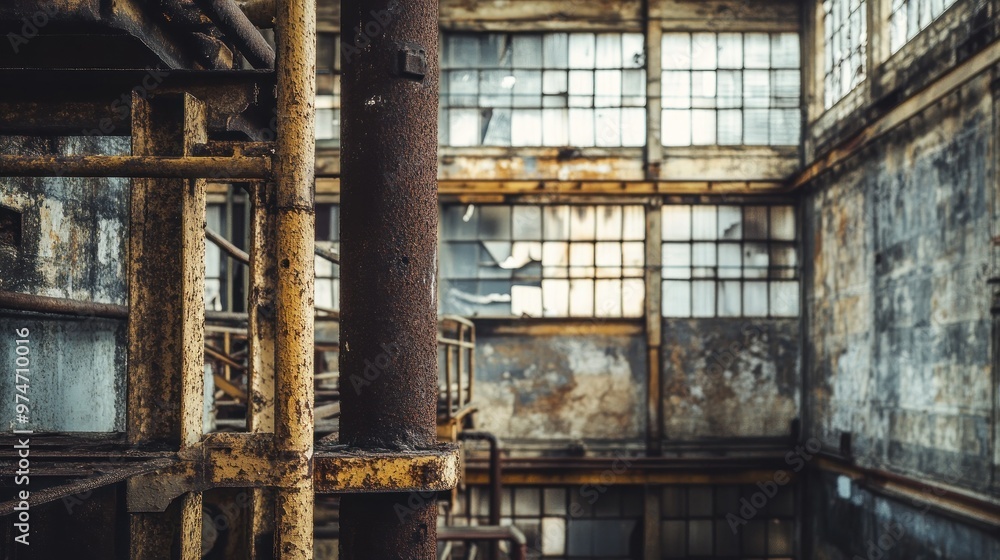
(897, 246)
(730, 377)
(558, 387)
(852, 522)
(73, 246)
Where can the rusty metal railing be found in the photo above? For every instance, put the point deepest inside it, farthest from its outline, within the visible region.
(456, 365)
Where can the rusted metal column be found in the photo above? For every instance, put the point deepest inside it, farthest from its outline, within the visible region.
(261, 335)
(294, 174)
(388, 359)
(166, 337)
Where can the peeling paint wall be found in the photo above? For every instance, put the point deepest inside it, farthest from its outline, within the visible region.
(899, 333)
(730, 377)
(899, 351)
(73, 246)
(536, 387)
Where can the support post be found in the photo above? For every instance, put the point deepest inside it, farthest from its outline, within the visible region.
(166, 321)
(261, 336)
(295, 32)
(388, 336)
(654, 328)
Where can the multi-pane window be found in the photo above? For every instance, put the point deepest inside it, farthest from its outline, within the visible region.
(731, 89)
(328, 89)
(551, 89)
(327, 273)
(909, 17)
(696, 523)
(564, 523)
(729, 261)
(543, 261)
(846, 44)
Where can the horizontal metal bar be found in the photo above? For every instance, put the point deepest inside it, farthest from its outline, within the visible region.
(344, 470)
(154, 167)
(455, 342)
(227, 246)
(212, 352)
(61, 306)
(87, 484)
(328, 255)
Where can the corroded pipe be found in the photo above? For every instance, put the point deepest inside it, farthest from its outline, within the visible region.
(239, 30)
(294, 174)
(150, 167)
(388, 361)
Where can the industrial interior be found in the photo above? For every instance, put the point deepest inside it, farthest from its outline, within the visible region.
(500, 279)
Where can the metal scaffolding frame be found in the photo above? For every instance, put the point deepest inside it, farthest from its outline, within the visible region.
(388, 445)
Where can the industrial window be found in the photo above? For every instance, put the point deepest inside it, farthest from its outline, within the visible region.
(909, 17)
(328, 90)
(543, 261)
(552, 89)
(698, 521)
(729, 261)
(216, 262)
(846, 34)
(731, 89)
(327, 273)
(564, 523)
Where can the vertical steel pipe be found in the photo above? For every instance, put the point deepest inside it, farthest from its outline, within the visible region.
(294, 174)
(388, 359)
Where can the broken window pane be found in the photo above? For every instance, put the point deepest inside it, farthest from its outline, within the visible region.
(730, 222)
(498, 127)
